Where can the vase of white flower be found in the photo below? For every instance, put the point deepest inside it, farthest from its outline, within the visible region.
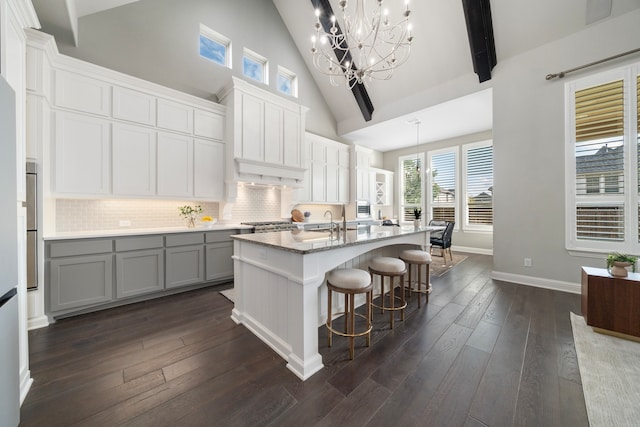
(190, 214)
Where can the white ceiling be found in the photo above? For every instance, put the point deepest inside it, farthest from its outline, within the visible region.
(436, 85)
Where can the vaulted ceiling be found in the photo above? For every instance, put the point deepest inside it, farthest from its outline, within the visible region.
(437, 85)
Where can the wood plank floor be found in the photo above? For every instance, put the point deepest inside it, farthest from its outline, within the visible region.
(481, 353)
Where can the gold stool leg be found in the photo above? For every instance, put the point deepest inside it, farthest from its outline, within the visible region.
(369, 301)
(410, 283)
(352, 318)
(428, 279)
(329, 316)
(392, 300)
(419, 284)
(346, 318)
(402, 299)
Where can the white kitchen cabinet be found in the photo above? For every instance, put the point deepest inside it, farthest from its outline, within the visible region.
(208, 125)
(175, 116)
(208, 170)
(134, 106)
(134, 160)
(175, 165)
(264, 136)
(327, 179)
(81, 93)
(82, 155)
(364, 184)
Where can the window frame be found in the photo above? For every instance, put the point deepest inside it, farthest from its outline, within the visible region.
(218, 38)
(293, 79)
(464, 187)
(401, 160)
(455, 150)
(258, 59)
(630, 199)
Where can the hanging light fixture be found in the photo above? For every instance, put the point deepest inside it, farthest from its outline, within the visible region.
(364, 45)
(417, 123)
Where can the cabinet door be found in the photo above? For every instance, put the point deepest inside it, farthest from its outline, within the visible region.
(175, 116)
(175, 165)
(362, 184)
(80, 93)
(184, 266)
(252, 128)
(292, 139)
(343, 185)
(304, 193)
(134, 160)
(134, 106)
(318, 182)
(139, 272)
(208, 125)
(82, 162)
(331, 179)
(273, 137)
(208, 165)
(219, 261)
(80, 281)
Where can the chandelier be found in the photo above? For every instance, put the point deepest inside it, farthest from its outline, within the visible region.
(362, 46)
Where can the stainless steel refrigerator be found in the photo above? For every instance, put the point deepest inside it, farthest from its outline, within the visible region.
(9, 362)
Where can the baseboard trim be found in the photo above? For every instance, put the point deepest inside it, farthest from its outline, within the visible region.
(37, 323)
(479, 251)
(538, 282)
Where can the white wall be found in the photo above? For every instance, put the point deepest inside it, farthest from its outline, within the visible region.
(529, 141)
(478, 242)
(157, 40)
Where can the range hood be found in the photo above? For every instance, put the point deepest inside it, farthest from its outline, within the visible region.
(265, 137)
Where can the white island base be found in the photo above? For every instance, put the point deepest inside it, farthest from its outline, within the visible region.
(279, 281)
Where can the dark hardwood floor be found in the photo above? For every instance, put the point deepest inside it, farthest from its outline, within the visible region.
(481, 353)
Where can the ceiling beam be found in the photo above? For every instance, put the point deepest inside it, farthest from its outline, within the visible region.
(477, 14)
(359, 91)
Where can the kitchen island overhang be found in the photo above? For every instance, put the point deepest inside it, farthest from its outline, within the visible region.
(279, 281)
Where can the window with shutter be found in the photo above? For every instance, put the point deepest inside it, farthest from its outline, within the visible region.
(478, 169)
(410, 185)
(602, 118)
(443, 170)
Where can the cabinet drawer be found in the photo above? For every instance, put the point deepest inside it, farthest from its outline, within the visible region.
(219, 236)
(138, 243)
(80, 247)
(185, 239)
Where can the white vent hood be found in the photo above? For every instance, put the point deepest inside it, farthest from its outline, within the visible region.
(265, 134)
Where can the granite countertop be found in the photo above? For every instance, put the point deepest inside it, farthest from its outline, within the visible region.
(302, 241)
(140, 231)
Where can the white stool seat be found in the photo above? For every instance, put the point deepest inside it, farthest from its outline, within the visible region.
(387, 265)
(413, 255)
(349, 278)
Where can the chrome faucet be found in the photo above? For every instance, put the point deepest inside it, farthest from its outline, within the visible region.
(331, 221)
(344, 223)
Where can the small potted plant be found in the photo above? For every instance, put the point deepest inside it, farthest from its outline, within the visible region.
(417, 214)
(190, 214)
(617, 264)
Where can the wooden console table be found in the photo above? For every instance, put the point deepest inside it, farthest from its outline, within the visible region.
(611, 304)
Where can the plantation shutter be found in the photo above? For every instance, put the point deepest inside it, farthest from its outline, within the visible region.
(599, 154)
(443, 172)
(480, 185)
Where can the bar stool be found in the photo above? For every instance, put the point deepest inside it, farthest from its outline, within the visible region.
(418, 258)
(391, 268)
(350, 282)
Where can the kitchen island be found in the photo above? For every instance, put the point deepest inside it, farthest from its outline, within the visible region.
(279, 280)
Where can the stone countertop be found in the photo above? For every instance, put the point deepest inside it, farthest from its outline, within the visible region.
(141, 231)
(304, 242)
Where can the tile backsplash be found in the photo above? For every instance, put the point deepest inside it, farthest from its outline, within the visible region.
(256, 204)
(106, 214)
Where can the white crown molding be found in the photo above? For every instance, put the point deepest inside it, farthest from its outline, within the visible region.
(25, 12)
(538, 282)
(46, 42)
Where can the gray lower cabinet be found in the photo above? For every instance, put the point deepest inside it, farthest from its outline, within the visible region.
(80, 273)
(184, 259)
(139, 265)
(219, 261)
(86, 274)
